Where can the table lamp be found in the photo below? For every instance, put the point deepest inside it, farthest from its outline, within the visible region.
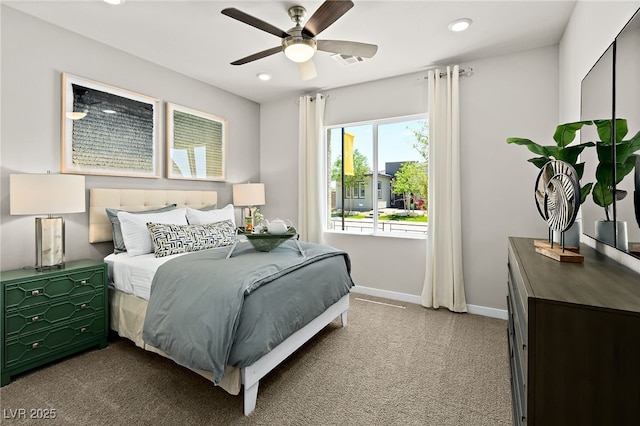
(34, 194)
(248, 195)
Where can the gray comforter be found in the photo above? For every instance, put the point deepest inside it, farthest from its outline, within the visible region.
(206, 311)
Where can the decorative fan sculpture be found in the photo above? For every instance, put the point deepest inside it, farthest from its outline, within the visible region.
(557, 194)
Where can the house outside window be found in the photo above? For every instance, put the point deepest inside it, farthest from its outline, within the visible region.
(388, 198)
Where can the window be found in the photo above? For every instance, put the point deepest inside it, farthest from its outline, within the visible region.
(390, 198)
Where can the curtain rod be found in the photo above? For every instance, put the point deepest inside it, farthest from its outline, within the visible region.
(462, 72)
(313, 97)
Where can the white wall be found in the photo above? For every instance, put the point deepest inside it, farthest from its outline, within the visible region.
(591, 30)
(34, 54)
(279, 158)
(515, 95)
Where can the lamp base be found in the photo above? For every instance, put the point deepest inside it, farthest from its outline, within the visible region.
(247, 219)
(49, 243)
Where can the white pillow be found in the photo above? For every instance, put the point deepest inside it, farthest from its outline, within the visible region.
(199, 217)
(136, 234)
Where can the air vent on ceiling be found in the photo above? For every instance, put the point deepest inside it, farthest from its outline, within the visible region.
(346, 60)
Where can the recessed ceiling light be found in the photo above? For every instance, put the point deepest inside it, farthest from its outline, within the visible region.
(460, 24)
(114, 2)
(263, 76)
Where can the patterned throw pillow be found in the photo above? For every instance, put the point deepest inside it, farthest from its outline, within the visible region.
(175, 239)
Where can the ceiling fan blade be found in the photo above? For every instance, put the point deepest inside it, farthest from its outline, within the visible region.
(352, 48)
(258, 55)
(234, 13)
(307, 70)
(328, 13)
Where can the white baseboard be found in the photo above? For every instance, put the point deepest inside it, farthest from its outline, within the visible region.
(487, 312)
(393, 295)
(410, 298)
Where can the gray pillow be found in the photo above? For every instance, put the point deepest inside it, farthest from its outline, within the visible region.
(118, 241)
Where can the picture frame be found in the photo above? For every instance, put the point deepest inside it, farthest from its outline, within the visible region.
(196, 144)
(107, 130)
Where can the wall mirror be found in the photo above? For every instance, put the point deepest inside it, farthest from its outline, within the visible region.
(612, 89)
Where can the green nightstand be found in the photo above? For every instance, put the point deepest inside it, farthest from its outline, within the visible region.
(51, 314)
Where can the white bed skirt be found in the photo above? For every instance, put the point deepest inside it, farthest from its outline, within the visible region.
(127, 313)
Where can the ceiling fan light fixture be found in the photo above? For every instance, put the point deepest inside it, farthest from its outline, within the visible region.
(299, 49)
(460, 24)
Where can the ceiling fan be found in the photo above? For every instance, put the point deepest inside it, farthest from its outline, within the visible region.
(299, 43)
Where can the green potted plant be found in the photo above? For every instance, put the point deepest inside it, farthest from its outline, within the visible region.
(563, 136)
(625, 161)
(562, 150)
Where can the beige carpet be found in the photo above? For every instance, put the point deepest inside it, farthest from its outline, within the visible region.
(389, 366)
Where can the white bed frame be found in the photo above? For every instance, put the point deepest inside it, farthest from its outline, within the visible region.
(132, 199)
(252, 374)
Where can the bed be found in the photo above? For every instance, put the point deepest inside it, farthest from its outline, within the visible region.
(288, 305)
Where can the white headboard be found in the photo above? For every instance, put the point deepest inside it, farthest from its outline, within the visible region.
(137, 200)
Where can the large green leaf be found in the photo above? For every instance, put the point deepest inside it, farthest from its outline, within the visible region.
(604, 152)
(623, 169)
(566, 133)
(604, 174)
(570, 154)
(532, 146)
(605, 129)
(538, 161)
(625, 148)
(584, 192)
(602, 195)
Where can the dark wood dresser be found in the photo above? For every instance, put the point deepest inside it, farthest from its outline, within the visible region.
(574, 339)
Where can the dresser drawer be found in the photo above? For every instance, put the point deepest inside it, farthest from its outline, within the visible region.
(44, 343)
(46, 289)
(517, 364)
(521, 293)
(518, 306)
(37, 317)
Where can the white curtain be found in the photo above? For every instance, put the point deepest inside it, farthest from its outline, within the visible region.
(444, 284)
(311, 187)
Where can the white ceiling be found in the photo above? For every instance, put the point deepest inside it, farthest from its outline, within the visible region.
(195, 39)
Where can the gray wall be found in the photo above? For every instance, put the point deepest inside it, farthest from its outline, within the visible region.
(514, 95)
(34, 54)
(580, 47)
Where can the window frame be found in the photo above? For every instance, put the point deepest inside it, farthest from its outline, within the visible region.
(375, 182)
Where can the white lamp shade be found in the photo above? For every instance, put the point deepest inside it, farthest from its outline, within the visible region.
(299, 52)
(248, 194)
(32, 194)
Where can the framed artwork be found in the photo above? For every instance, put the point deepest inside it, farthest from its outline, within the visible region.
(196, 144)
(107, 130)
